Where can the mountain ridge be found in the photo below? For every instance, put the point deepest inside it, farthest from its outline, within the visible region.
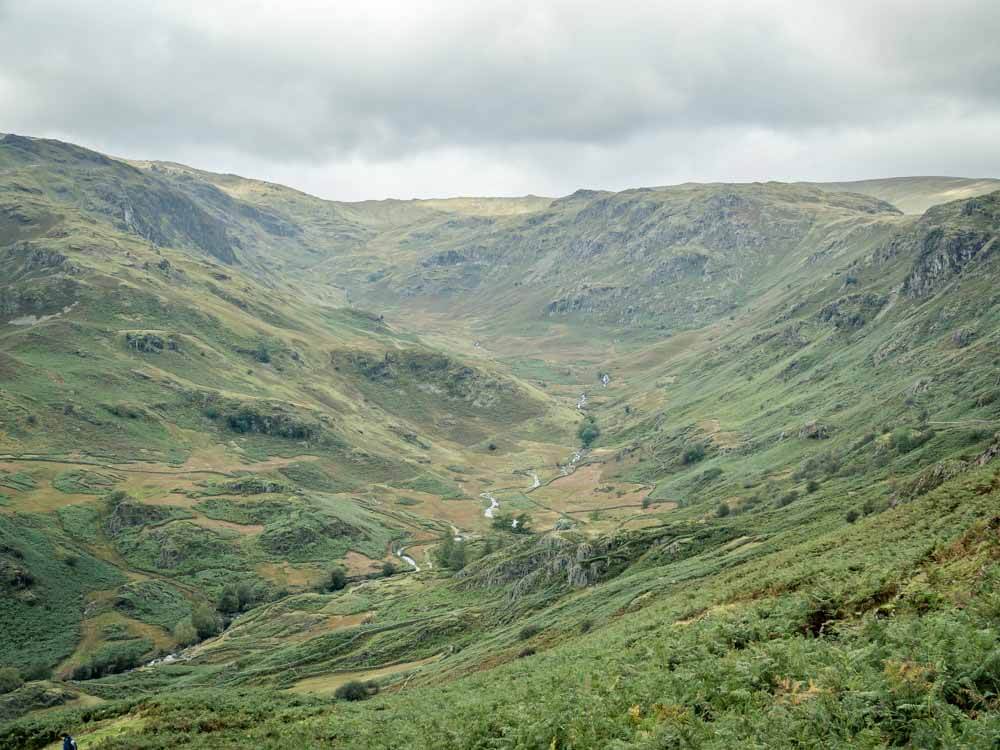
(715, 462)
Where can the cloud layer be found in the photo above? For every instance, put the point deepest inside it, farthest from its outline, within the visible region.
(376, 99)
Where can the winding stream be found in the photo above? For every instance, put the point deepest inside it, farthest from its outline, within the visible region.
(494, 504)
(400, 553)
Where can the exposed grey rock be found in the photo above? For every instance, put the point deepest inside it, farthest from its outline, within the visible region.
(814, 431)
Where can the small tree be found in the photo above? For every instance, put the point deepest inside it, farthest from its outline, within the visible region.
(722, 510)
(249, 594)
(229, 600)
(456, 560)
(185, 632)
(337, 579)
(205, 621)
(444, 551)
(693, 453)
(523, 525)
(502, 521)
(356, 690)
(787, 499)
(388, 569)
(588, 432)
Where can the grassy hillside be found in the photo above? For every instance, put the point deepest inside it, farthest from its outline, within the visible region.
(703, 466)
(914, 195)
(178, 418)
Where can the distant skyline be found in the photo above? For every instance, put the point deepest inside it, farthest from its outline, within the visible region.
(352, 101)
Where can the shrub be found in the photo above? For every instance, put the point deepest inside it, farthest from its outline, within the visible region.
(529, 631)
(710, 475)
(521, 524)
(356, 691)
(113, 658)
(852, 516)
(337, 579)
(262, 354)
(10, 680)
(722, 510)
(979, 435)
(588, 432)
(693, 453)
(36, 671)
(388, 569)
(185, 632)
(586, 625)
(229, 600)
(456, 559)
(787, 499)
(905, 440)
(526, 652)
(811, 486)
(205, 621)
(250, 594)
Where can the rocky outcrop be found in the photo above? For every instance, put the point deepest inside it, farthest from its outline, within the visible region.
(992, 452)
(554, 559)
(944, 253)
(14, 575)
(271, 223)
(165, 217)
(588, 300)
(262, 417)
(853, 311)
(962, 337)
(944, 243)
(814, 431)
(250, 419)
(301, 531)
(446, 258)
(148, 342)
(252, 485)
(127, 514)
(429, 374)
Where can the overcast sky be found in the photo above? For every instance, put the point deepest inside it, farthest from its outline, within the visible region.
(371, 99)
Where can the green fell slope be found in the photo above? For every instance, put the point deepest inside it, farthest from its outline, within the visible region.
(771, 521)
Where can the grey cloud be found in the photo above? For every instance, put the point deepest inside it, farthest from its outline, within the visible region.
(604, 93)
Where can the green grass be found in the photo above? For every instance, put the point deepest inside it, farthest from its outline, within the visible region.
(40, 622)
(153, 602)
(795, 357)
(431, 484)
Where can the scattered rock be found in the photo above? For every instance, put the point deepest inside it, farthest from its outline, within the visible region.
(814, 431)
